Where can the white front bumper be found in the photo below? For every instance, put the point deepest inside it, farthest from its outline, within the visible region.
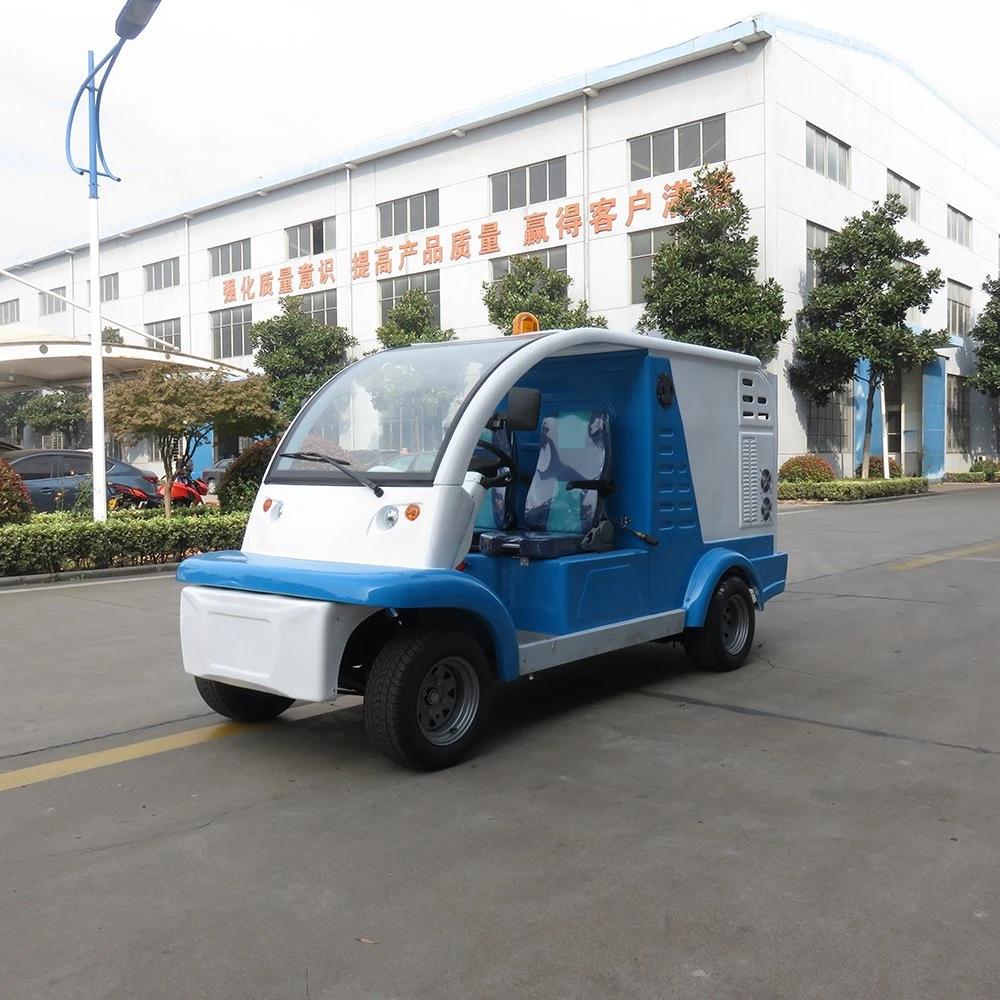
(285, 645)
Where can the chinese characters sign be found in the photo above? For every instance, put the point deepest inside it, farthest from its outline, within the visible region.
(568, 221)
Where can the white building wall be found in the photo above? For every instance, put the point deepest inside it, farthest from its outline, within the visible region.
(768, 94)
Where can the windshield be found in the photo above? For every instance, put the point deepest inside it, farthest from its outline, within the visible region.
(388, 415)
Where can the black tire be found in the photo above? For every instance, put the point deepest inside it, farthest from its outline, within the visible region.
(412, 667)
(241, 704)
(725, 640)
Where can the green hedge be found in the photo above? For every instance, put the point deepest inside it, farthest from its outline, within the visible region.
(966, 477)
(852, 489)
(56, 543)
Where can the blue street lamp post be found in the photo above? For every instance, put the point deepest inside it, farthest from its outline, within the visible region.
(134, 16)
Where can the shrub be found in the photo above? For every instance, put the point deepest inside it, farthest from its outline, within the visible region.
(15, 501)
(55, 543)
(965, 477)
(875, 468)
(806, 469)
(988, 466)
(852, 489)
(242, 479)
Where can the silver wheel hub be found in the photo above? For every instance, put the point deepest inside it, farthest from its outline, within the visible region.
(735, 624)
(448, 701)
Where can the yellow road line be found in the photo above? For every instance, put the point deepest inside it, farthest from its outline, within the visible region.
(117, 755)
(972, 550)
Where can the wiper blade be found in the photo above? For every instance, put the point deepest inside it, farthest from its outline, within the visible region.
(337, 463)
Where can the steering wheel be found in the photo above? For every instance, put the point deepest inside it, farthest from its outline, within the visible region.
(505, 459)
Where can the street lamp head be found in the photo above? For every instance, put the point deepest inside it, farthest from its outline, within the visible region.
(134, 17)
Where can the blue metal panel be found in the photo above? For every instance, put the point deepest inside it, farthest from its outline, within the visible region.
(860, 408)
(932, 432)
(373, 586)
(204, 455)
(767, 574)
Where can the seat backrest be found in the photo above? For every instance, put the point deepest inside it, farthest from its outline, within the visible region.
(574, 445)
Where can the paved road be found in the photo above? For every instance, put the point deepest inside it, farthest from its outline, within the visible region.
(823, 823)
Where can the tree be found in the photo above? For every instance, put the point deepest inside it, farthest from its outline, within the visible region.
(109, 335)
(986, 334)
(396, 385)
(298, 354)
(12, 411)
(179, 410)
(868, 280)
(704, 287)
(530, 286)
(58, 411)
(411, 321)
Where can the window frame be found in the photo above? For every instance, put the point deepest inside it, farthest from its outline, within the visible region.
(311, 297)
(156, 272)
(658, 236)
(222, 259)
(503, 179)
(109, 281)
(417, 280)
(49, 305)
(502, 264)
(164, 334)
(8, 315)
(831, 424)
(959, 227)
(649, 139)
(958, 410)
(397, 217)
(813, 135)
(892, 179)
(219, 327)
(325, 229)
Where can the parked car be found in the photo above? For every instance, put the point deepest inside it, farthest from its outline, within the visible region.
(414, 461)
(54, 477)
(213, 474)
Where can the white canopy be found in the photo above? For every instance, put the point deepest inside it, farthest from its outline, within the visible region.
(38, 359)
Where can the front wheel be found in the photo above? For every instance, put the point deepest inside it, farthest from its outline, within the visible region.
(427, 698)
(241, 704)
(725, 640)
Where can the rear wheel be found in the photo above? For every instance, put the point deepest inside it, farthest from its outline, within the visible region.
(241, 704)
(725, 640)
(427, 698)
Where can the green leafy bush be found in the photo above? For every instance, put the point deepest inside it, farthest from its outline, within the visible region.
(15, 501)
(56, 543)
(806, 469)
(240, 482)
(988, 466)
(852, 489)
(965, 477)
(875, 470)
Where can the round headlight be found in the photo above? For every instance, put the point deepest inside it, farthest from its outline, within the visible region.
(390, 516)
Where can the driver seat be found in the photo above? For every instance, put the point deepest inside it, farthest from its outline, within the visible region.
(566, 499)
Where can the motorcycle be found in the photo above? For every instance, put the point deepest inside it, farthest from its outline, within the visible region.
(186, 491)
(122, 497)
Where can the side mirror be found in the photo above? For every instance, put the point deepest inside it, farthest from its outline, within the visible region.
(523, 409)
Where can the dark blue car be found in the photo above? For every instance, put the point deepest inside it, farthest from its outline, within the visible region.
(53, 477)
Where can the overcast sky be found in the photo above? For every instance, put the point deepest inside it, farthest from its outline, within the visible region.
(216, 93)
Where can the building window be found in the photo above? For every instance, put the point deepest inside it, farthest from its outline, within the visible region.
(321, 306)
(10, 311)
(109, 287)
(163, 274)
(828, 428)
(642, 248)
(50, 304)
(959, 227)
(391, 290)
(908, 192)
(959, 308)
(416, 427)
(522, 186)
(230, 257)
(958, 414)
(312, 237)
(231, 332)
(553, 257)
(826, 155)
(817, 238)
(165, 329)
(406, 215)
(679, 148)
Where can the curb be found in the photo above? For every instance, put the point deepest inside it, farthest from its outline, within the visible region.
(75, 576)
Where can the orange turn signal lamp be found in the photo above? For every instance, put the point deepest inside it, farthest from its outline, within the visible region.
(525, 323)
(412, 512)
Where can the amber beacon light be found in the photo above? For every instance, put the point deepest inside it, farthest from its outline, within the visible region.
(525, 323)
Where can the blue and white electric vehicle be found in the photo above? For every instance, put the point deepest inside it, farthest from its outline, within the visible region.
(590, 491)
